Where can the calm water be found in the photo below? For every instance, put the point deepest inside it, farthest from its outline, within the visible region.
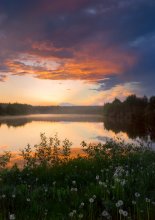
(16, 132)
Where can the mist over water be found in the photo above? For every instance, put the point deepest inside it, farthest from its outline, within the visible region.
(18, 131)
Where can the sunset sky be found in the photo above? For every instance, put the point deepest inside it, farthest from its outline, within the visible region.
(80, 52)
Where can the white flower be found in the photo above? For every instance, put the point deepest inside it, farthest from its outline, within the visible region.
(13, 195)
(91, 200)
(94, 197)
(54, 183)
(46, 211)
(134, 202)
(153, 203)
(3, 196)
(73, 182)
(82, 204)
(119, 203)
(71, 214)
(123, 182)
(97, 177)
(125, 213)
(105, 213)
(74, 189)
(46, 189)
(12, 216)
(28, 200)
(100, 183)
(137, 195)
(121, 211)
(147, 200)
(80, 215)
(74, 211)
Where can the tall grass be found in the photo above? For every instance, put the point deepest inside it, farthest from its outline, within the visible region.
(114, 180)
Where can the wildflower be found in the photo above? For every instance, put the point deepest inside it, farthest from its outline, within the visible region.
(137, 195)
(91, 200)
(94, 197)
(12, 216)
(28, 200)
(71, 214)
(121, 211)
(100, 183)
(105, 213)
(147, 200)
(46, 211)
(13, 195)
(73, 182)
(46, 189)
(117, 180)
(74, 211)
(134, 202)
(80, 216)
(82, 204)
(3, 196)
(97, 177)
(123, 182)
(73, 189)
(54, 183)
(105, 185)
(153, 203)
(125, 213)
(118, 171)
(119, 203)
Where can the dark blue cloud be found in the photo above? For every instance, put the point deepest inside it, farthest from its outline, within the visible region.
(72, 26)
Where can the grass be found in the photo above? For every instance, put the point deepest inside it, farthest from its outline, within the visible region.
(114, 180)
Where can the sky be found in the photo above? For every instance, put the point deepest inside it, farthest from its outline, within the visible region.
(76, 52)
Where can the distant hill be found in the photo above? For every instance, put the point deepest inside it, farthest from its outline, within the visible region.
(23, 109)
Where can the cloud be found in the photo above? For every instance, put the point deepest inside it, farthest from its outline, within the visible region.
(79, 39)
(3, 78)
(120, 91)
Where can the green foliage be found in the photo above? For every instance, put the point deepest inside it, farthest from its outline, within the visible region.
(135, 116)
(47, 152)
(114, 180)
(4, 159)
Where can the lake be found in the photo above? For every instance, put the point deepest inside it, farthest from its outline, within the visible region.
(18, 131)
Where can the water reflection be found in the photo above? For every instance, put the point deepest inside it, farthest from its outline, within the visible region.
(16, 132)
(139, 129)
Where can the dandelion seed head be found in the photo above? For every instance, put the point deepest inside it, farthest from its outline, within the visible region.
(134, 202)
(97, 177)
(80, 216)
(105, 213)
(137, 195)
(147, 200)
(82, 204)
(125, 213)
(73, 182)
(119, 203)
(12, 216)
(121, 211)
(91, 200)
(94, 197)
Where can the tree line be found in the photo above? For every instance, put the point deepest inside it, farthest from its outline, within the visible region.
(24, 109)
(135, 115)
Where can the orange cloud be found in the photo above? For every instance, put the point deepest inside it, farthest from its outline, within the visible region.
(45, 61)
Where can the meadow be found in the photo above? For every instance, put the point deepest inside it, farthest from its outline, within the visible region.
(115, 180)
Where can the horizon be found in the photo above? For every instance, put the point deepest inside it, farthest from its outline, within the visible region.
(81, 53)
